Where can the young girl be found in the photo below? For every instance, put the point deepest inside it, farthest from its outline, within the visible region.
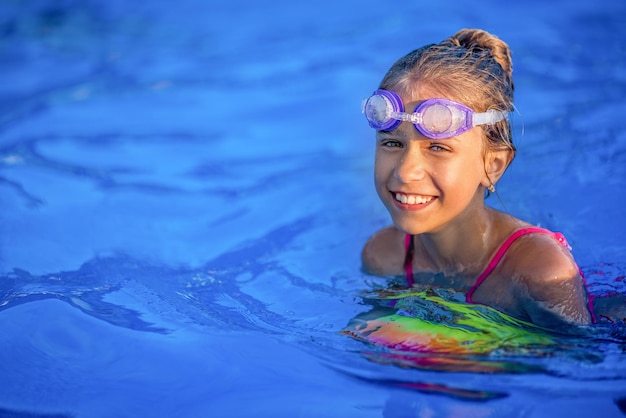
(443, 139)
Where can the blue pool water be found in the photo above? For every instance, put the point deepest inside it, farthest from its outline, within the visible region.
(186, 187)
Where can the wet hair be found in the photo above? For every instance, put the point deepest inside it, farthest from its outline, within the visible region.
(472, 67)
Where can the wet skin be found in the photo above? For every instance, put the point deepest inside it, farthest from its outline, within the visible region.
(434, 190)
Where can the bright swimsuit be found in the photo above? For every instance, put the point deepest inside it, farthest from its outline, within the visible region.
(495, 260)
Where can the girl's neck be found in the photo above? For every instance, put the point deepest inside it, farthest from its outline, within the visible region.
(464, 245)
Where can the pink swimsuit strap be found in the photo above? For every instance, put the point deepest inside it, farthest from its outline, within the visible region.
(495, 260)
(493, 263)
(408, 260)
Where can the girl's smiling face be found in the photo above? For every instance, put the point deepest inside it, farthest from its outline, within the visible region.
(426, 183)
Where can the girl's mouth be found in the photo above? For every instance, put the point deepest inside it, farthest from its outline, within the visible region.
(412, 199)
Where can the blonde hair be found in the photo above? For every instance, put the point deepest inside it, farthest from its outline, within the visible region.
(473, 67)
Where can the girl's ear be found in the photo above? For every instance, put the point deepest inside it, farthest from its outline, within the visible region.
(496, 163)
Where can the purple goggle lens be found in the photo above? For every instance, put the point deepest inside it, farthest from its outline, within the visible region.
(433, 118)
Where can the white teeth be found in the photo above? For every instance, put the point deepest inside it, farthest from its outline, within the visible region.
(412, 199)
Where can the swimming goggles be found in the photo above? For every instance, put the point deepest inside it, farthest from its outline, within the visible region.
(433, 118)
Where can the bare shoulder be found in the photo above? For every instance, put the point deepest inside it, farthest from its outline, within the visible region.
(541, 257)
(550, 281)
(383, 254)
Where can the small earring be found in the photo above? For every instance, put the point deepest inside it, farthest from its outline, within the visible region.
(492, 188)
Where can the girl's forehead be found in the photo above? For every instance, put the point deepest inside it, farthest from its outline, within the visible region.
(421, 90)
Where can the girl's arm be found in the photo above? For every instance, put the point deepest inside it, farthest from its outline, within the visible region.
(553, 291)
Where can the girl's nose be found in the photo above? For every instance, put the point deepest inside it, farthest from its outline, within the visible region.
(410, 167)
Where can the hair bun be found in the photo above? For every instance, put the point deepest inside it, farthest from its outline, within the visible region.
(478, 39)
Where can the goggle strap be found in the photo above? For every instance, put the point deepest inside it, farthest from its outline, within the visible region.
(489, 117)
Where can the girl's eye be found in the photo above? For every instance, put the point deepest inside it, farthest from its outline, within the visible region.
(434, 146)
(391, 143)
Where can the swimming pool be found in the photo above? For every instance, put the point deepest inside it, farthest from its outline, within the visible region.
(186, 191)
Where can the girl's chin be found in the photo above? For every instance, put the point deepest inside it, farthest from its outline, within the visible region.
(410, 228)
